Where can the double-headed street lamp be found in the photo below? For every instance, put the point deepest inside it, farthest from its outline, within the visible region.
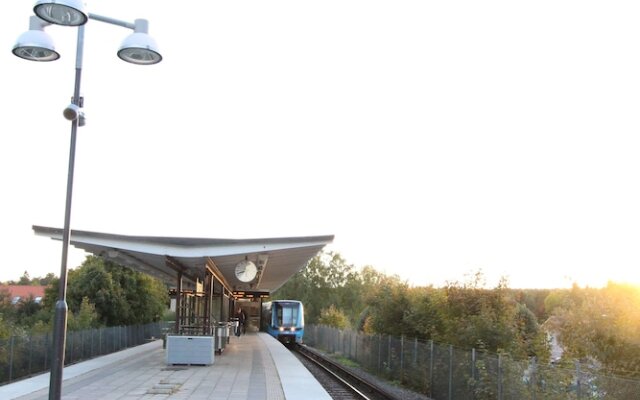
(36, 45)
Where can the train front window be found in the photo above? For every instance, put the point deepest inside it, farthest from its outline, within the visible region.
(286, 315)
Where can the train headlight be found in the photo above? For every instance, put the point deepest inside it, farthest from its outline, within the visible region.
(293, 329)
(281, 329)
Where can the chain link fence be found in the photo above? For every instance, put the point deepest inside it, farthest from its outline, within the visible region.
(24, 356)
(444, 372)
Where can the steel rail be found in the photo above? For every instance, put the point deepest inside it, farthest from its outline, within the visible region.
(351, 381)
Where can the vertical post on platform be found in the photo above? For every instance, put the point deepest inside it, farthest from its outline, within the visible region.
(205, 319)
(178, 302)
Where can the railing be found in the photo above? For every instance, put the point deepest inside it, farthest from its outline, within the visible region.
(24, 356)
(446, 373)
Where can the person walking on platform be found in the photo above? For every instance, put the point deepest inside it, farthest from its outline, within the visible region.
(244, 322)
(241, 316)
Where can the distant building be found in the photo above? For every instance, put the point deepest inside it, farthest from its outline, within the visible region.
(19, 293)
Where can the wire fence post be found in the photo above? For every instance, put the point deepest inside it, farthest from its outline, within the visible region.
(83, 334)
(500, 376)
(430, 368)
(46, 350)
(69, 349)
(355, 354)
(473, 368)
(91, 345)
(534, 377)
(389, 352)
(30, 353)
(450, 372)
(578, 389)
(11, 357)
(402, 358)
(379, 351)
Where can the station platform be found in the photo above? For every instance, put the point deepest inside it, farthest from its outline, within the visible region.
(254, 366)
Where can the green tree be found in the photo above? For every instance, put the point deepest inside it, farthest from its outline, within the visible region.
(556, 298)
(25, 279)
(602, 324)
(326, 280)
(491, 319)
(27, 311)
(47, 280)
(425, 317)
(7, 310)
(389, 308)
(466, 315)
(120, 295)
(534, 300)
(85, 318)
(5, 329)
(334, 318)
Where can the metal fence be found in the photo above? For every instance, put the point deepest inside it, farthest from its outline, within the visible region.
(24, 356)
(444, 372)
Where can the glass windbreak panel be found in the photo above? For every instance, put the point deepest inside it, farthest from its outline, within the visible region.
(216, 305)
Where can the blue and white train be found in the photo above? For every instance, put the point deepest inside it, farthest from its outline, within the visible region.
(284, 320)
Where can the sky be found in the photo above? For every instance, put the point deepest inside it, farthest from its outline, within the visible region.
(433, 139)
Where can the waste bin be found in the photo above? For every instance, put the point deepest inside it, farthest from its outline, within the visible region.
(222, 335)
(233, 327)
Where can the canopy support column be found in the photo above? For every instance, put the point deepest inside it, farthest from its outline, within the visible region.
(178, 302)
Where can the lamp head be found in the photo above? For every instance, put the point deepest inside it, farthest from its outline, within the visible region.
(62, 12)
(140, 48)
(35, 44)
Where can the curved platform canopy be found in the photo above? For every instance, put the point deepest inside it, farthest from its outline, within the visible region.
(167, 258)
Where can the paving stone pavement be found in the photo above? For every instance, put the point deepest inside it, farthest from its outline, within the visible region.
(245, 371)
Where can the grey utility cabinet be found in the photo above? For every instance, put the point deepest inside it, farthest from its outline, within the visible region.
(197, 350)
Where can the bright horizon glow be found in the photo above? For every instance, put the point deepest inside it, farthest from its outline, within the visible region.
(433, 140)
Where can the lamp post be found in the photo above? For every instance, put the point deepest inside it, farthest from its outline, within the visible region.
(35, 45)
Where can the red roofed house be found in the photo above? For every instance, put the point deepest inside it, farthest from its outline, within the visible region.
(23, 292)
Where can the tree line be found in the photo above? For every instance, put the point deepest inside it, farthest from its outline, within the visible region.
(597, 326)
(100, 293)
(27, 280)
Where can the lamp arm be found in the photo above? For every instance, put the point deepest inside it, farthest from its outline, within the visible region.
(113, 21)
(37, 24)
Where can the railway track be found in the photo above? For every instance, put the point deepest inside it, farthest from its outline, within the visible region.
(339, 382)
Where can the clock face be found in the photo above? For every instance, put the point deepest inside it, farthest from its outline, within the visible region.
(246, 271)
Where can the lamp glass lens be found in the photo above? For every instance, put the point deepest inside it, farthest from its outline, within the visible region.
(140, 56)
(60, 14)
(36, 53)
